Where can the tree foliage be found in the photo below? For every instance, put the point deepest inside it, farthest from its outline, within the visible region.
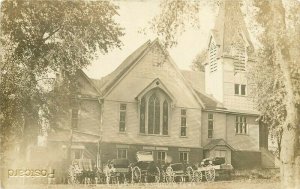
(266, 72)
(39, 39)
(275, 74)
(198, 61)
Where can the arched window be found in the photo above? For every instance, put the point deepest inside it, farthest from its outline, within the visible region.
(165, 118)
(142, 115)
(154, 115)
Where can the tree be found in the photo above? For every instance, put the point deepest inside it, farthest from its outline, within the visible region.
(275, 74)
(39, 39)
(197, 63)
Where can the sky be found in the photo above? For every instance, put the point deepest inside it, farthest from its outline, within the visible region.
(135, 15)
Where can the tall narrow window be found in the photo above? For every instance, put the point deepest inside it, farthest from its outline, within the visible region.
(213, 57)
(184, 157)
(243, 89)
(154, 115)
(161, 157)
(210, 125)
(142, 115)
(165, 118)
(183, 123)
(241, 125)
(122, 117)
(236, 89)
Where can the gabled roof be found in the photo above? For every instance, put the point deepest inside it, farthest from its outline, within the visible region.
(195, 78)
(229, 24)
(217, 142)
(90, 81)
(108, 81)
(209, 102)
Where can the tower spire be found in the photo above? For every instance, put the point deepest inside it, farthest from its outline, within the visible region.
(230, 26)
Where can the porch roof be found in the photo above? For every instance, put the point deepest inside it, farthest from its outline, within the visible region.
(217, 142)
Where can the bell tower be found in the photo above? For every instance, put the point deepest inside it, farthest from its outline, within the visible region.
(229, 51)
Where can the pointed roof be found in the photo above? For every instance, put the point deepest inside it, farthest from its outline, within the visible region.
(217, 142)
(108, 81)
(230, 25)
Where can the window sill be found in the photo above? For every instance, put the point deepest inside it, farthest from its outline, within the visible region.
(183, 136)
(242, 134)
(144, 134)
(240, 95)
(123, 132)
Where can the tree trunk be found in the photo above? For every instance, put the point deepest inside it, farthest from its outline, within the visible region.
(289, 142)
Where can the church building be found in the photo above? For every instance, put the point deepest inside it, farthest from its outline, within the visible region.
(148, 103)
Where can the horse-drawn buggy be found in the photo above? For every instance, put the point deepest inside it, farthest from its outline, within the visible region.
(145, 169)
(179, 172)
(81, 171)
(117, 171)
(213, 168)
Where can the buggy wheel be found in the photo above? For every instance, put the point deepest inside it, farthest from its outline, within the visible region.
(190, 174)
(169, 175)
(157, 175)
(136, 174)
(210, 174)
(198, 176)
(72, 176)
(163, 176)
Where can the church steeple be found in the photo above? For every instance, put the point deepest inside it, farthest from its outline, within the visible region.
(229, 51)
(230, 28)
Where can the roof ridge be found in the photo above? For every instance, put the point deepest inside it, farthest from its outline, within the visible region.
(121, 69)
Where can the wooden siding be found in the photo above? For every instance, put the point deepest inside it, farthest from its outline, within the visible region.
(224, 128)
(132, 136)
(249, 141)
(89, 116)
(144, 72)
(219, 128)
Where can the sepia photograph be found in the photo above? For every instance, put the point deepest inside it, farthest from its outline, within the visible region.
(152, 94)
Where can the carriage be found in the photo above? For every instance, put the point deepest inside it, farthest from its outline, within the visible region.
(81, 172)
(179, 172)
(117, 171)
(213, 168)
(145, 169)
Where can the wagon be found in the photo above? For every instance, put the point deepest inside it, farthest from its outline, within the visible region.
(145, 169)
(213, 168)
(179, 172)
(81, 172)
(117, 171)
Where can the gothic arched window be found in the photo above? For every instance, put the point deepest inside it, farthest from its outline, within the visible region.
(154, 115)
(165, 118)
(142, 115)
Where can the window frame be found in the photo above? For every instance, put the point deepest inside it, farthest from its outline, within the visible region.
(118, 153)
(241, 126)
(158, 156)
(122, 111)
(238, 89)
(210, 119)
(183, 116)
(144, 110)
(187, 156)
